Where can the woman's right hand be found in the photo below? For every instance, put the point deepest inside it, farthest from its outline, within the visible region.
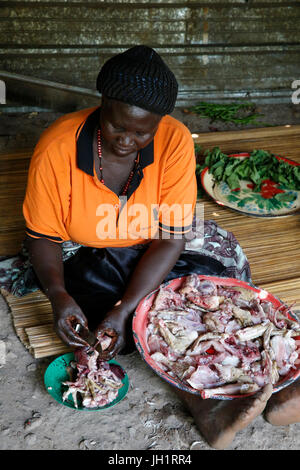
(66, 315)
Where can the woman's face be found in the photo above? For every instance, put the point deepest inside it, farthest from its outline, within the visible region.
(126, 129)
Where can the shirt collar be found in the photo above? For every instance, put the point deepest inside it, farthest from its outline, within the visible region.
(85, 159)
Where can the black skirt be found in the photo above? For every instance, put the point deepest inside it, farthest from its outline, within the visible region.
(97, 277)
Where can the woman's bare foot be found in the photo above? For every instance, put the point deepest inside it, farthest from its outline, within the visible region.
(219, 420)
(283, 408)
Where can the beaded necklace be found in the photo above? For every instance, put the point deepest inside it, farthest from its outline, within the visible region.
(136, 162)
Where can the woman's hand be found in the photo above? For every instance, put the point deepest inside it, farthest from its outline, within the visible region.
(46, 259)
(150, 271)
(114, 326)
(66, 315)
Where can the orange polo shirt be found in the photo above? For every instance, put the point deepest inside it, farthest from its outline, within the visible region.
(66, 201)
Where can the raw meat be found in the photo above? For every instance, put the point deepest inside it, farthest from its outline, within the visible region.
(97, 382)
(221, 339)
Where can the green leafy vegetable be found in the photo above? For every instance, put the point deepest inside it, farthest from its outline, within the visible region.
(261, 165)
(237, 113)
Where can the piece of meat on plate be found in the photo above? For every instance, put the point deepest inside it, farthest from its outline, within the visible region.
(284, 350)
(180, 340)
(167, 298)
(203, 287)
(204, 377)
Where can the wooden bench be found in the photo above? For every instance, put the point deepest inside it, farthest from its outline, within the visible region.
(271, 245)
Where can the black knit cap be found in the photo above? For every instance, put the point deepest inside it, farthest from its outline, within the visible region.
(139, 77)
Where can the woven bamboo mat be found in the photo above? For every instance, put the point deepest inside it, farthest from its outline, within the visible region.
(281, 140)
(271, 245)
(33, 322)
(13, 178)
(272, 248)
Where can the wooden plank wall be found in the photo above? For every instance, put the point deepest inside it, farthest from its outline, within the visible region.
(218, 49)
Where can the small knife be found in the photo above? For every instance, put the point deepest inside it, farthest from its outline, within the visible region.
(89, 337)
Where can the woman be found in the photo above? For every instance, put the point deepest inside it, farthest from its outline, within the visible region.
(91, 172)
(83, 163)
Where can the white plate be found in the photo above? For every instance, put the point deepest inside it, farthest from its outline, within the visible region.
(248, 202)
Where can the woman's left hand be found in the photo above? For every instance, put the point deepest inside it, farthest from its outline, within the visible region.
(114, 325)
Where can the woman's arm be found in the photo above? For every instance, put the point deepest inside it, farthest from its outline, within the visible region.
(46, 259)
(151, 270)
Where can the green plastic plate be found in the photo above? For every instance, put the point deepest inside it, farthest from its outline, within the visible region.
(57, 373)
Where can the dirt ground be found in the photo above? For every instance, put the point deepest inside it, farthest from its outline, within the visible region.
(150, 416)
